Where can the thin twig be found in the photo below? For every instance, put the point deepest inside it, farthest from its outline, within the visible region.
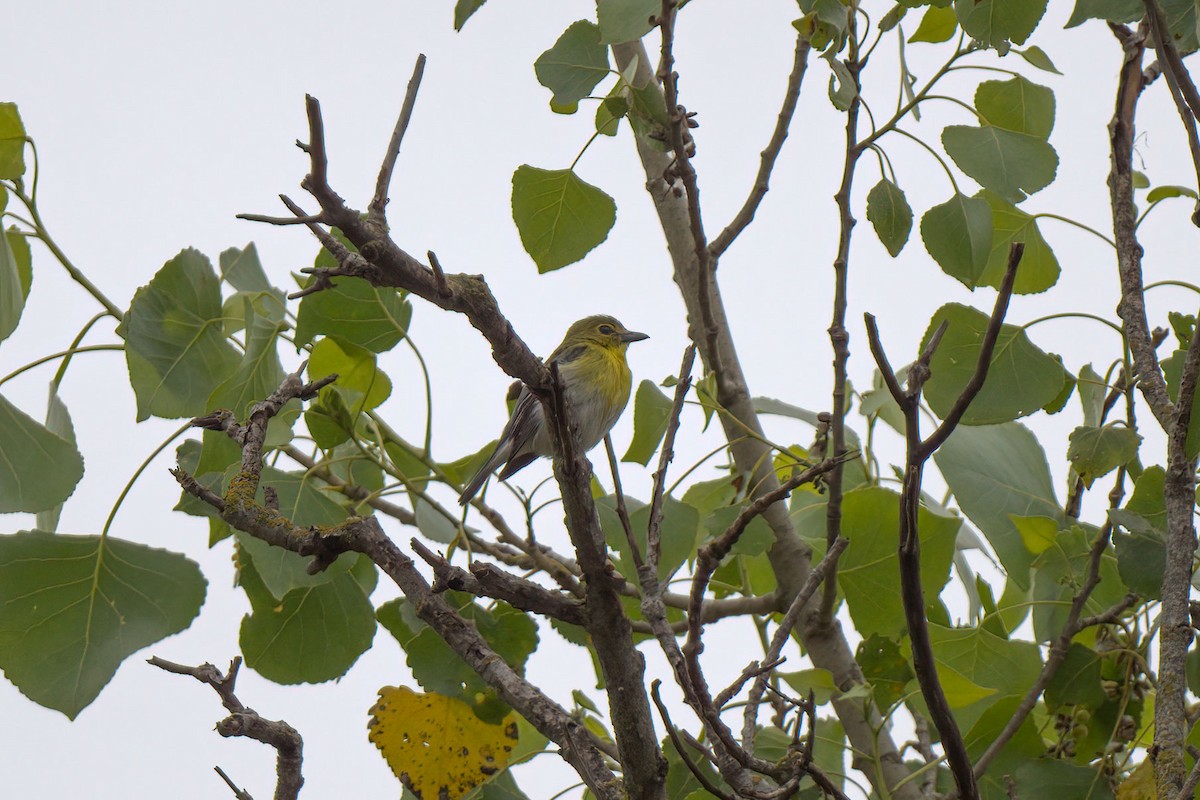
(635, 549)
(438, 275)
(783, 633)
(673, 733)
(239, 794)
(1132, 308)
(909, 549)
(1015, 251)
(1179, 82)
(769, 155)
(654, 527)
(243, 721)
(377, 209)
(687, 173)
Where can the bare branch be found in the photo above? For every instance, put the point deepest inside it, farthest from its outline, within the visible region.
(1179, 81)
(1132, 308)
(768, 156)
(239, 794)
(309, 219)
(926, 448)
(784, 632)
(377, 208)
(667, 452)
(243, 721)
(364, 535)
(673, 733)
(682, 166)
(486, 580)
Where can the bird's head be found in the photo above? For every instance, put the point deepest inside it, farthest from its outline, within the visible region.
(603, 330)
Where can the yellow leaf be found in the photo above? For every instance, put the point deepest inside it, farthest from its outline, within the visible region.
(1139, 785)
(436, 745)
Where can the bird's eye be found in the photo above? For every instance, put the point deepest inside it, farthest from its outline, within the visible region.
(607, 330)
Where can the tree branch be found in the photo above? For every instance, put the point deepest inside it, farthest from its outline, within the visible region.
(1179, 82)
(243, 721)
(919, 451)
(790, 556)
(364, 535)
(762, 181)
(1132, 308)
(378, 206)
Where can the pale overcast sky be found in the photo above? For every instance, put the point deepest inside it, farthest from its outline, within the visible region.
(157, 122)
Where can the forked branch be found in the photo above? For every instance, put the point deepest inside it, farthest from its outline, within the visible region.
(919, 452)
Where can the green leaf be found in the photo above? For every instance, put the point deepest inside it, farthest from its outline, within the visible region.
(58, 422)
(1017, 105)
(19, 245)
(314, 634)
(1037, 533)
(1077, 681)
(433, 523)
(986, 721)
(39, 469)
(626, 20)
(885, 668)
(12, 290)
(303, 500)
(609, 114)
(651, 412)
(1051, 779)
(960, 690)
(1011, 164)
(1172, 367)
(998, 22)
(890, 215)
(463, 10)
(1061, 570)
(958, 234)
(869, 570)
(992, 662)
(1013, 480)
(259, 373)
(174, 343)
(1159, 193)
(358, 376)
(357, 313)
(243, 270)
(511, 633)
(1092, 392)
(937, 25)
(1038, 58)
(560, 217)
(1095, 452)
(842, 89)
(678, 533)
(1119, 11)
(72, 608)
(1021, 378)
(1039, 269)
(1142, 552)
(574, 65)
(892, 18)
(12, 143)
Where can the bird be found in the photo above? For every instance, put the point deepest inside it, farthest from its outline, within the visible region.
(596, 380)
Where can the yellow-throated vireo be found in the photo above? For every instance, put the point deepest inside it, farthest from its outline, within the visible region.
(595, 378)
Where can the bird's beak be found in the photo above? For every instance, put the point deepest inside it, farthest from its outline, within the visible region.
(633, 336)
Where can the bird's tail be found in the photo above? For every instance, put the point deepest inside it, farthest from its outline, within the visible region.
(499, 456)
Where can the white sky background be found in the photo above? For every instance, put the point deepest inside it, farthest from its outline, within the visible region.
(156, 123)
